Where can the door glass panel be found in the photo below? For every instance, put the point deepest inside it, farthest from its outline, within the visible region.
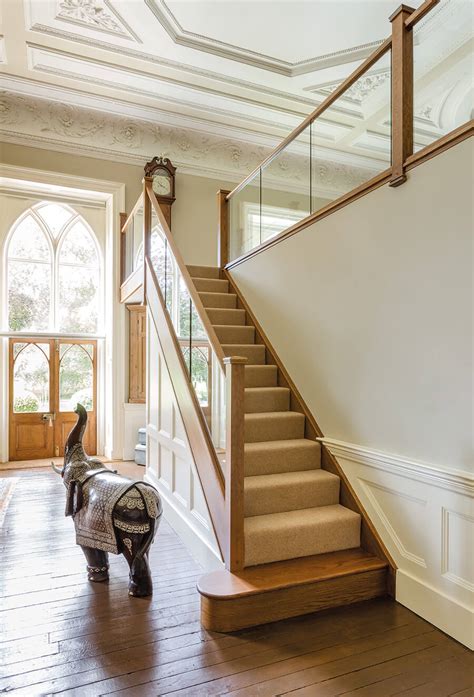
(31, 378)
(76, 376)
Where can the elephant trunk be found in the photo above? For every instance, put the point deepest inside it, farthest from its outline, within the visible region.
(77, 433)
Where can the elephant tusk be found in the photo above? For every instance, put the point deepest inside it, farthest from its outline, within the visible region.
(56, 469)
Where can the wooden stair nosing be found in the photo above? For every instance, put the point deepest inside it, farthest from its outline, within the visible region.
(265, 578)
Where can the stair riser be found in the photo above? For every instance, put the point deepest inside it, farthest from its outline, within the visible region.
(218, 300)
(255, 353)
(203, 271)
(267, 400)
(263, 547)
(279, 499)
(211, 285)
(230, 615)
(261, 376)
(257, 430)
(227, 317)
(295, 460)
(235, 335)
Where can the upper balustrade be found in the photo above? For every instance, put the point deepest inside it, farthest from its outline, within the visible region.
(409, 99)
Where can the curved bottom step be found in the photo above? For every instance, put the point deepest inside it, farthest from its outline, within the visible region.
(271, 592)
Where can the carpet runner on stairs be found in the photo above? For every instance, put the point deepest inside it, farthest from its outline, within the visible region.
(292, 506)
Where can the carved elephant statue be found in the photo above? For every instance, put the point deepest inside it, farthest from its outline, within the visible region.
(111, 513)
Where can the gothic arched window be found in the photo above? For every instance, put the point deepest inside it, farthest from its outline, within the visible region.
(53, 272)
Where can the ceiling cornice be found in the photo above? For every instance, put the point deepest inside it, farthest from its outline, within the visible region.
(258, 60)
(66, 128)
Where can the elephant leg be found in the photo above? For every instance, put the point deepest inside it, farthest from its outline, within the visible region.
(97, 564)
(135, 547)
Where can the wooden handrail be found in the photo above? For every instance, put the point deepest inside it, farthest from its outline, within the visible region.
(330, 99)
(198, 435)
(127, 222)
(194, 295)
(418, 14)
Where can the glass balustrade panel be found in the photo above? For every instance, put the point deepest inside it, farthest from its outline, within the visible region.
(202, 365)
(443, 95)
(351, 139)
(245, 218)
(285, 188)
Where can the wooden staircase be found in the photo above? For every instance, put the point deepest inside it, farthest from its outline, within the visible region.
(307, 544)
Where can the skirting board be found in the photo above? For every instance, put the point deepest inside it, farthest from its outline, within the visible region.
(446, 614)
(197, 547)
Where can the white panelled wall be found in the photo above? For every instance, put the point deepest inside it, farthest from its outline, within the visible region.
(425, 516)
(170, 464)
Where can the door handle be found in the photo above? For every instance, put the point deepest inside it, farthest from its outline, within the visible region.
(49, 417)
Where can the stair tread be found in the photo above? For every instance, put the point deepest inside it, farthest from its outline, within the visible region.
(274, 415)
(298, 477)
(278, 445)
(290, 572)
(270, 389)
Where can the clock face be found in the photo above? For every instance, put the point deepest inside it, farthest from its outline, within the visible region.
(161, 185)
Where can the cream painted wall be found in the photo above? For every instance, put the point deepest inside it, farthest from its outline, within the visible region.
(371, 311)
(194, 213)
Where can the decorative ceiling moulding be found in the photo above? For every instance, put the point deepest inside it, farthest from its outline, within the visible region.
(145, 83)
(96, 14)
(222, 49)
(184, 67)
(87, 132)
(361, 89)
(139, 112)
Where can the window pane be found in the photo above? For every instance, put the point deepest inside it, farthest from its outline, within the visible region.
(31, 379)
(75, 376)
(78, 247)
(29, 289)
(78, 299)
(55, 217)
(29, 241)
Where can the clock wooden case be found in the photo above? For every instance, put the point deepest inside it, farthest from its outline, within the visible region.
(162, 172)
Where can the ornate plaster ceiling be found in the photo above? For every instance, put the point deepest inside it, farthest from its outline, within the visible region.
(235, 72)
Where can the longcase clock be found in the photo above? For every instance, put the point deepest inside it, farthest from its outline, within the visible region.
(162, 172)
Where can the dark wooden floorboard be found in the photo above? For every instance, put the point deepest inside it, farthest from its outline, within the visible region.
(60, 634)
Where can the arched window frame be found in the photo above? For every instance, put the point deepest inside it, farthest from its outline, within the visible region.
(54, 246)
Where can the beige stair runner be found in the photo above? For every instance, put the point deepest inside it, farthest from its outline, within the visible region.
(292, 506)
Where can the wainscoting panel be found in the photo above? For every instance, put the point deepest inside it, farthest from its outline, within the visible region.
(425, 516)
(170, 465)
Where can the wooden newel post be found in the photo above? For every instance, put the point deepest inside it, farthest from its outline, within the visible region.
(234, 473)
(223, 228)
(402, 93)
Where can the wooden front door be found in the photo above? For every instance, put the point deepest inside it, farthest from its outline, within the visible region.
(48, 377)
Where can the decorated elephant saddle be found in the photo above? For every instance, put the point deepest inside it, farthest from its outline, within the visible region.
(101, 501)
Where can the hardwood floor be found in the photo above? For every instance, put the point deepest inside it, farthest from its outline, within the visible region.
(61, 634)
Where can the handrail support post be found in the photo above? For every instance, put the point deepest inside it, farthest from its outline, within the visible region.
(402, 93)
(234, 471)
